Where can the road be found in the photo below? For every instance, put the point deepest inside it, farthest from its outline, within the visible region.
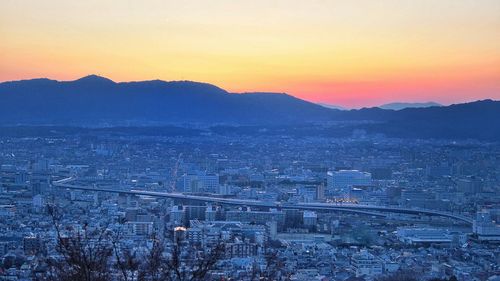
(353, 208)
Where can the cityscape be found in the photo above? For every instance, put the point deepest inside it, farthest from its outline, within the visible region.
(323, 209)
(223, 140)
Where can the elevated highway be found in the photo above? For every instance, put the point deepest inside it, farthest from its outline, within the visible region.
(372, 210)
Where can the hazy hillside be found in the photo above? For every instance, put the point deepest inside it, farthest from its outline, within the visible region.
(97, 101)
(403, 105)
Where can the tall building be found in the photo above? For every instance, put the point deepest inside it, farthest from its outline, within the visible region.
(180, 234)
(211, 213)
(320, 192)
(484, 227)
(191, 183)
(194, 212)
(177, 215)
(201, 182)
(224, 189)
(139, 228)
(210, 182)
(311, 193)
(293, 218)
(195, 235)
(310, 219)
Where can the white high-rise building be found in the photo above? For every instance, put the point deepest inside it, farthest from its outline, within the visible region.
(201, 182)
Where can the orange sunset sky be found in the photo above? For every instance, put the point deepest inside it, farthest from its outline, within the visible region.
(350, 53)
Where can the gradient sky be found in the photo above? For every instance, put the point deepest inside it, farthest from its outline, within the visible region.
(351, 53)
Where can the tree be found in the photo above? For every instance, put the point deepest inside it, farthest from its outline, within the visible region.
(98, 254)
(127, 261)
(85, 252)
(182, 262)
(275, 269)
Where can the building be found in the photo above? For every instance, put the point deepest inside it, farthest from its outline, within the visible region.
(201, 182)
(366, 264)
(33, 245)
(194, 235)
(177, 215)
(224, 189)
(320, 192)
(418, 236)
(484, 227)
(257, 217)
(139, 228)
(311, 193)
(191, 183)
(194, 212)
(210, 182)
(310, 219)
(180, 234)
(470, 185)
(307, 193)
(240, 249)
(347, 178)
(206, 232)
(293, 218)
(211, 213)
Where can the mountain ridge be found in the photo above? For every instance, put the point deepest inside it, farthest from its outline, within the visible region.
(97, 101)
(403, 105)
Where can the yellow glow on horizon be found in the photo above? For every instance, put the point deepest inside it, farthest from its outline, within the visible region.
(350, 52)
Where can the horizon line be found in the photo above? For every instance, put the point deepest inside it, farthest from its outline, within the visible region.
(321, 103)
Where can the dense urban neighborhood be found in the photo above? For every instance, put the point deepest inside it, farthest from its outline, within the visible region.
(106, 205)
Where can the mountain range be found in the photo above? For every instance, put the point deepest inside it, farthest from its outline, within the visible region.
(95, 101)
(403, 105)
(392, 105)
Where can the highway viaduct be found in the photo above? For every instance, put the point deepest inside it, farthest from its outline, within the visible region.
(372, 210)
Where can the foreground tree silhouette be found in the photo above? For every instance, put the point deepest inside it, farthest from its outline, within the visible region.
(274, 270)
(182, 262)
(97, 254)
(127, 261)
(85, 252)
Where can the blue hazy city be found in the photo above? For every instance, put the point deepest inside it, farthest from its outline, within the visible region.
(250, 140)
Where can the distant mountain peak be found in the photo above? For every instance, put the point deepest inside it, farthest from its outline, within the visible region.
(94, 99)
(403, 105)
(97, 100)
(93, 78)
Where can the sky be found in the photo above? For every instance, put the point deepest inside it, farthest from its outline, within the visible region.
(351, 53)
